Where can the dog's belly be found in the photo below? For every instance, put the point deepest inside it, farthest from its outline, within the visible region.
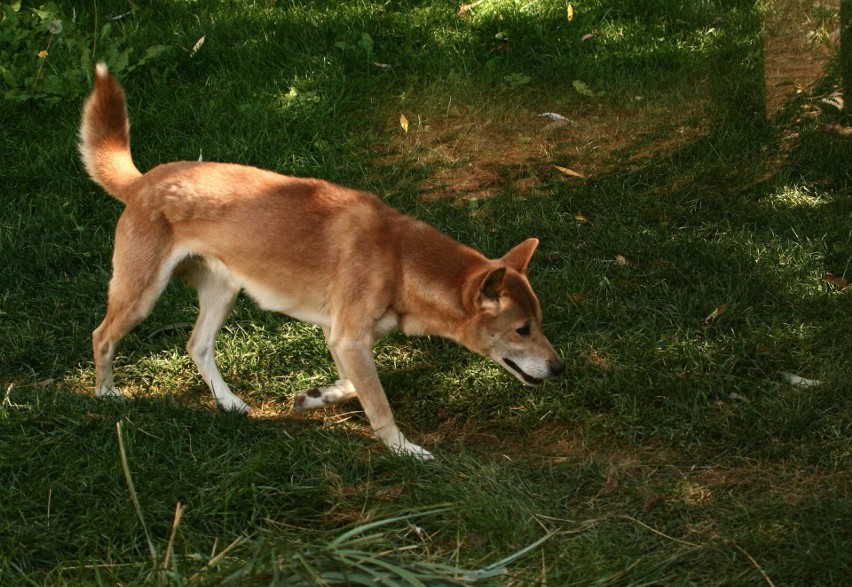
(298, 303)
(296, 307)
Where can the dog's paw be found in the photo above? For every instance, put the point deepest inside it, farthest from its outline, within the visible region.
(233, 404)
(108, 391)
(409, 449)
(318, 397)
(396, 441)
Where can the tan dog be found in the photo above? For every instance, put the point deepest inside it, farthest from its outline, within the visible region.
(328, 255)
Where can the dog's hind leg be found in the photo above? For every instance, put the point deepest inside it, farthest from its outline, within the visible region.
(216, 296)
(126, 308)
(139, 277)
(341, 391)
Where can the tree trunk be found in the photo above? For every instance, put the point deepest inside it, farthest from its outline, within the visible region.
(846, 50)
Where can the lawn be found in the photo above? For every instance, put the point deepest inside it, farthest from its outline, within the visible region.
(695, 218)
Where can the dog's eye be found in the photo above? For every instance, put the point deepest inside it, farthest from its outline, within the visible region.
(523, 330)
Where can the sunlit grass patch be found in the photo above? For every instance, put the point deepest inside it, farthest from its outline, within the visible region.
(799, 196)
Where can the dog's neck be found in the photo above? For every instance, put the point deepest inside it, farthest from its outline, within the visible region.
(434, 271)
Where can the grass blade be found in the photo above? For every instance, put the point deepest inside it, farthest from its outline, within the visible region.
(125, 465)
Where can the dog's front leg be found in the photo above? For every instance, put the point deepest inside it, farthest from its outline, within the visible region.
(356, 358)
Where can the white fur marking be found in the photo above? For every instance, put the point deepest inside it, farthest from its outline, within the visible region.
(319, 397)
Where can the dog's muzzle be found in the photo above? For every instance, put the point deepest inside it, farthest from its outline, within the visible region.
(556, 367)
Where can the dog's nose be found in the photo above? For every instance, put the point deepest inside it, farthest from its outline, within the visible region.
(557, 367)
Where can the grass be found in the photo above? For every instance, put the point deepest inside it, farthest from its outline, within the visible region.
(668, 453)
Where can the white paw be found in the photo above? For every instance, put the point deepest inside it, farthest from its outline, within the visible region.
(233, 404)
(409, 449)
(319, 397)
(397, 442)
(107, 391)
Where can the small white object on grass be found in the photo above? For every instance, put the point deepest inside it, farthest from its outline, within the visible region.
(797, 381)
(552, 116)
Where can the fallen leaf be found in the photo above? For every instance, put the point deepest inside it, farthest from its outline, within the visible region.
(197, 46)
(835, 99)
(570, 12)
(837, 281)
(586, 37)
(595, 360)
(567, 171)
(464, 9)
(582, 88)
(711, 318)
(620, 260)
(580, 217)
(403, 122)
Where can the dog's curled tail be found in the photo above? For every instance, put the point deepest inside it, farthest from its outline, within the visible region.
(105, 137)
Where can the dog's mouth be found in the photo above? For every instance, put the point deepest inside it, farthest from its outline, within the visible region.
(528, 379)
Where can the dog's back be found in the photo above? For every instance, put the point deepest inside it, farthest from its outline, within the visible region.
(329, 255)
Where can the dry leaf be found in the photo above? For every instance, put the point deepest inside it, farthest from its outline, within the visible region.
(620, 260)
(403, 122)
(835, 99)
(595, 360)
(465, 9)
(570, 12)
(580, 217)
(567, 171)
(586, 37)
(837, 281)
(197, 46)
(710, 320)
(582, 88)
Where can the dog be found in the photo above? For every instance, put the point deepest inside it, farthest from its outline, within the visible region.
(325, 254)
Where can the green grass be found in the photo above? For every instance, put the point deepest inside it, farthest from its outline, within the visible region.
(668, 453)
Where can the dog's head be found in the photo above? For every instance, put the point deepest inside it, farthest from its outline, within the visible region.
(506, 322)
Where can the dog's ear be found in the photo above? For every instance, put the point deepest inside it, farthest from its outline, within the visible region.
(492, 284)
(519, 257)
(482, 290)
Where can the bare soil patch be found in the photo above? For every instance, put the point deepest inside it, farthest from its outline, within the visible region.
(480, 150)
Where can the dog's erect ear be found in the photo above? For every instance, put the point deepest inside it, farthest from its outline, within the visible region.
(519, 257)
(492, 284)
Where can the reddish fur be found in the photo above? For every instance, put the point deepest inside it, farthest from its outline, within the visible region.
(338, 256)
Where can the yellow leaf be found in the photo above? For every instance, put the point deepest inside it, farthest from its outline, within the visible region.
(403, 122)
(197, 46)
(710, 320)
(570, 12)
(580, 217)
(567, 171)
